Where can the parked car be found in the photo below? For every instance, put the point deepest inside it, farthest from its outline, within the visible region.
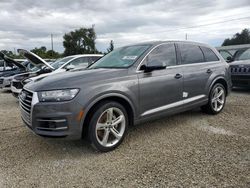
(238, 56)
(10, 66)
(5, 80)
(130, 85)
(62, 65)
(9, 69)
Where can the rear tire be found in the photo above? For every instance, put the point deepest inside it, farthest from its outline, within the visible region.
(108, 126)
(216, 101)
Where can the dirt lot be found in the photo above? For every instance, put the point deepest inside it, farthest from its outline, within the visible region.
(191, 149)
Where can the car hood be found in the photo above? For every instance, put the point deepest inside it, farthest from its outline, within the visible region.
(75, 79)
(11, 62)
(33, 58)
(245, 62)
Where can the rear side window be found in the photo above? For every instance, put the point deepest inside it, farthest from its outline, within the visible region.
(190, 54)
(209, 54)
(163, 55)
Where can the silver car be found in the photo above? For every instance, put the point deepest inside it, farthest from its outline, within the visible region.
(128, 86)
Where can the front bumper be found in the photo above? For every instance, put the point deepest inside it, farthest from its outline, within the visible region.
(241, 80)
(5, 84)
(15, 91)
(59, 119)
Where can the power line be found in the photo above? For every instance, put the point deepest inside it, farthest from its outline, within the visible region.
(196, 26)
(202, 25)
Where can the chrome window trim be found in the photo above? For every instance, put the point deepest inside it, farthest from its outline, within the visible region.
(177, 65)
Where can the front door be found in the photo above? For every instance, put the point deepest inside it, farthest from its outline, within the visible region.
(160, 89)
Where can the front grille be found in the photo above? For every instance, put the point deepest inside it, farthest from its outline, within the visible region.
(17, 85)
(25, 100)
(1, 81)
(240, 70)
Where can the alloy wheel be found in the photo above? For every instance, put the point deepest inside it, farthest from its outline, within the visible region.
(110, 127)
(218, 98)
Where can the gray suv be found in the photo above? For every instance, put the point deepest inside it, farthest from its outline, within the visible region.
(128, 86)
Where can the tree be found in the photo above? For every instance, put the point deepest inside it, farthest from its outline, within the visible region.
(11, 54)
(43, 53)
(111, 46)
(238, 38)
(52, 54)
(40, 51)
(80, 41)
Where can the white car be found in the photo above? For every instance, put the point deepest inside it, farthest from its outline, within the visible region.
(59, 66)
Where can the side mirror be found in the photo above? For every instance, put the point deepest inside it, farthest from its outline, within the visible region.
(146, 68)
(229, 59)
(70, 67)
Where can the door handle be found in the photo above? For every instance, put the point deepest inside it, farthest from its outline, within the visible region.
(178, 76)
(209, 71)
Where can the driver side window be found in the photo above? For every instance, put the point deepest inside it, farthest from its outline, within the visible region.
(79, 61)
(163, 55)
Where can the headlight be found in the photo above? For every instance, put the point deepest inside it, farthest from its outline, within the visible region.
(57, 95)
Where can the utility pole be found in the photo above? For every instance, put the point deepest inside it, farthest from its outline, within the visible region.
(186, 36)
(52, 45)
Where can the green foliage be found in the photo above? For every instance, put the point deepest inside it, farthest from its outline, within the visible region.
(11, 54)
(43, 53)
(111, 46)
(52, 54)
(80, 41)
(40, 51)
(238, 38)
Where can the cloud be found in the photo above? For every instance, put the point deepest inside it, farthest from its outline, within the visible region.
(29, 23)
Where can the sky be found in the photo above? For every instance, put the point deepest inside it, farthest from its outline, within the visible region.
(28, 23)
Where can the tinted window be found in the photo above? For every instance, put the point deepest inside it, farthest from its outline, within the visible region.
(243, 54)
(163, 55)
(225, 54)
(209, 54)
(191, 54)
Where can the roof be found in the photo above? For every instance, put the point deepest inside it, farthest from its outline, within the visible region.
(85, 55)
(160, 42)
(233, 47)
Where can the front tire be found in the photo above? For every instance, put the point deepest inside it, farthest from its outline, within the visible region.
(108, 126)
(217, 100)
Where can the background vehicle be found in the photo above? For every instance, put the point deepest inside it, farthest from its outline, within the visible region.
(128, 86)
(239, 58)
(10, 66)
(5, 80)
(62, 65)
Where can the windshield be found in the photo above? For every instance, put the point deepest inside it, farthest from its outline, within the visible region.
(121, 57)
(60, 62)
(243, 54)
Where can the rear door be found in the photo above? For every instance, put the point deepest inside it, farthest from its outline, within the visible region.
(198, 65)
(160, 90)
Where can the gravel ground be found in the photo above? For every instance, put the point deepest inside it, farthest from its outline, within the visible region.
(191, 149)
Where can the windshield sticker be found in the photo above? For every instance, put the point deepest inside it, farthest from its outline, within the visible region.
(129, 57)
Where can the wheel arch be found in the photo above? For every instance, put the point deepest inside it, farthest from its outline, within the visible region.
(222, 81)
(117, 97)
